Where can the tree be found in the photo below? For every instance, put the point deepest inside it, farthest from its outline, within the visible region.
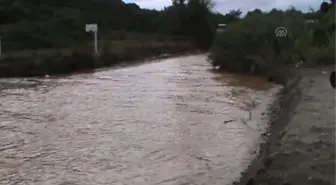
(232, 16)
(201, 28)
(324, 7)
(60, 23)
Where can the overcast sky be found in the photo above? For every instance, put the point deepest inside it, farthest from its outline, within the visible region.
(225, 6)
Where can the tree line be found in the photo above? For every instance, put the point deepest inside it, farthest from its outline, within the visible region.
(59, 23)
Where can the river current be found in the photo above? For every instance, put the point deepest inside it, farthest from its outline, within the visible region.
(170, 122)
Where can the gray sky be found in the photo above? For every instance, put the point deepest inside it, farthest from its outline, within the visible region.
(225, 6)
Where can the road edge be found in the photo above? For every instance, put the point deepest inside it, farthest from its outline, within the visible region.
(279, 113)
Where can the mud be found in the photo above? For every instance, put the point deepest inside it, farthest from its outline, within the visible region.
(301, 146)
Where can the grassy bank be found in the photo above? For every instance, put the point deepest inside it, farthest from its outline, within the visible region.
(250, 45)
(62, 61)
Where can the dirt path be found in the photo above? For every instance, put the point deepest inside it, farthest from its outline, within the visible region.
(305, 151)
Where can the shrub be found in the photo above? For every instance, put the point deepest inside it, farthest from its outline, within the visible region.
(250, 45)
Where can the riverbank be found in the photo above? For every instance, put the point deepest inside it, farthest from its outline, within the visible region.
(278, 113)
(65, 61)
(300, 148)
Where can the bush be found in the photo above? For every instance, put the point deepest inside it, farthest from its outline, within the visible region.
(250, 45)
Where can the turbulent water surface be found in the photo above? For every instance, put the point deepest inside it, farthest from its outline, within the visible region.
(171, 122)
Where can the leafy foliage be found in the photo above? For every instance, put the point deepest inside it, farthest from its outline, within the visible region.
(38, 24)
(251, 45)
(48, 37)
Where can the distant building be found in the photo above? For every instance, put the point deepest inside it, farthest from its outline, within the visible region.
(310, 21)
(221, 27)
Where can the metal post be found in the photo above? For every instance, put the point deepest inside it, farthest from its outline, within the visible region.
(93, 28)
(95, 43)
(0, 46)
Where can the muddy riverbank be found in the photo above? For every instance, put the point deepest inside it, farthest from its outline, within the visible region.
(300, 148)
(278, 113)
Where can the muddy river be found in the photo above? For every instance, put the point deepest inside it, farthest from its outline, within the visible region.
(171, 122)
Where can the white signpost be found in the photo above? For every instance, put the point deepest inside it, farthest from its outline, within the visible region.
(0, 46)
(93, 28)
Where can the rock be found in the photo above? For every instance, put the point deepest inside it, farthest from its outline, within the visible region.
(318, 144)
(297, 151)
(282, 134)
(310, 178)
(235, 183)
(228, 121)
(261, 171)
(287, 153)
(250, 182)
(268, 161)
(67, 183)
(277, 79)
(322, 182)
(331, 156)
(332, 79)
(264, 134)
(316, 129)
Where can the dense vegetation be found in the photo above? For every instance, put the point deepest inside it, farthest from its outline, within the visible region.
(250, 44)
(36, 24)
(48, 36)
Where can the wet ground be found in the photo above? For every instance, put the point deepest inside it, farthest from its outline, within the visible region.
(305, 151)
(171, 123)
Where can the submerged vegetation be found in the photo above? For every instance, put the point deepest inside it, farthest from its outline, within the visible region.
(251, 45)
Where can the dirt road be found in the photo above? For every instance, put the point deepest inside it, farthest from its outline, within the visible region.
(305, 151)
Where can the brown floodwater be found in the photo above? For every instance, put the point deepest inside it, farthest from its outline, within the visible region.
(161, 123)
